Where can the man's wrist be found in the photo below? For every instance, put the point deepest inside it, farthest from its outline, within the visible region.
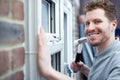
(50, 73)
(85, 69)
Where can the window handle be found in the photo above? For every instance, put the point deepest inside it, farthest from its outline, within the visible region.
(52, 38)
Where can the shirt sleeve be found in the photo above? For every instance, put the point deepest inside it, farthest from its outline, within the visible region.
(114, 74)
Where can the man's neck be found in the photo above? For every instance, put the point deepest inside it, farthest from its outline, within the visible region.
(104, 45)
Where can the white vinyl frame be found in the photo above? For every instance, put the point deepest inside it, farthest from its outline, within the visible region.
(66, 32)
(32, 26)
(31, 30)
(68, 29)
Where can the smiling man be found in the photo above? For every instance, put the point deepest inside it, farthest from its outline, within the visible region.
(100, 28)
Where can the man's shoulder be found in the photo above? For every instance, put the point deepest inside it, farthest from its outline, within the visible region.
(116, 58)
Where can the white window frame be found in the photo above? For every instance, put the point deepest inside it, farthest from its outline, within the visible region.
(69, 42)
(66, 7)
(32, 27)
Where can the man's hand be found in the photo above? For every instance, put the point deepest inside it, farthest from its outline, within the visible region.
(76, 66)
(80, 66)
(43, 57)
(44, 60)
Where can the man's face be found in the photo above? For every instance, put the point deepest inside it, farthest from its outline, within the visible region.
(98, 28)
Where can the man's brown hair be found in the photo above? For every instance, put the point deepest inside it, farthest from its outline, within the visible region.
(106, 5)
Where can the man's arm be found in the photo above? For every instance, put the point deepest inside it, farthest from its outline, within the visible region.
(55, 75)
(44, 60)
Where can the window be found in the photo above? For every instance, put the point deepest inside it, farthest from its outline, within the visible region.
(56, 61)
(65, 38)
(48, 16)
(68, 40)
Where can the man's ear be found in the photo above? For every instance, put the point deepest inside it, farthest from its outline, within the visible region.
(114, 25)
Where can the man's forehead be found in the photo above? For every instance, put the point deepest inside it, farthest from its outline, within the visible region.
(95, 14)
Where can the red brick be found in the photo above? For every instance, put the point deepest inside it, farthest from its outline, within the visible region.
(18, 10)
(16, 76)
(11, 34)
(4, 62)
(18, 57)
(4, 7)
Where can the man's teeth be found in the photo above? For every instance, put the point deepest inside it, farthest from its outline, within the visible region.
(92, 34)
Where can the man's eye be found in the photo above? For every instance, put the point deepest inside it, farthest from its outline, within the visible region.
(87, 23)
(97, 22)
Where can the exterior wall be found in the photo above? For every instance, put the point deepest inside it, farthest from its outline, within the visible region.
(77, 9)
(12, 53)
(75, 25)
(75, 13)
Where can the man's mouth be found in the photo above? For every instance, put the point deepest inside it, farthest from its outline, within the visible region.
(92, 34)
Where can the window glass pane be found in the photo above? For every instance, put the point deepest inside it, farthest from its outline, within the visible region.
(65, 37)
(45, 15)
(48, 16)
(52, 15)
(56, 61)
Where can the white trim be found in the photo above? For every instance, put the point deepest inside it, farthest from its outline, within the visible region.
(68, 11)
(31, 27)
(57, 18)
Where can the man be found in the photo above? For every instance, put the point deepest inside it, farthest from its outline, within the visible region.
(100, 28)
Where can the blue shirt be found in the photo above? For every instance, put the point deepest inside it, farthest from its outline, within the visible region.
(106, 65)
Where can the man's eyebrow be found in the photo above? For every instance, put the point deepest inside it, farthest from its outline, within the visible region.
(86, 21)
(97, 19)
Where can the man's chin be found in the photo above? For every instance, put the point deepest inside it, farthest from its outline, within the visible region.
(94, 43)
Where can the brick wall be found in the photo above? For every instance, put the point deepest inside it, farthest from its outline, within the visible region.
(77, 11)
(12, 54)
(75, 24)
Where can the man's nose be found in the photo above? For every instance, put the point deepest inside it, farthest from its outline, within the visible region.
(91, 26)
